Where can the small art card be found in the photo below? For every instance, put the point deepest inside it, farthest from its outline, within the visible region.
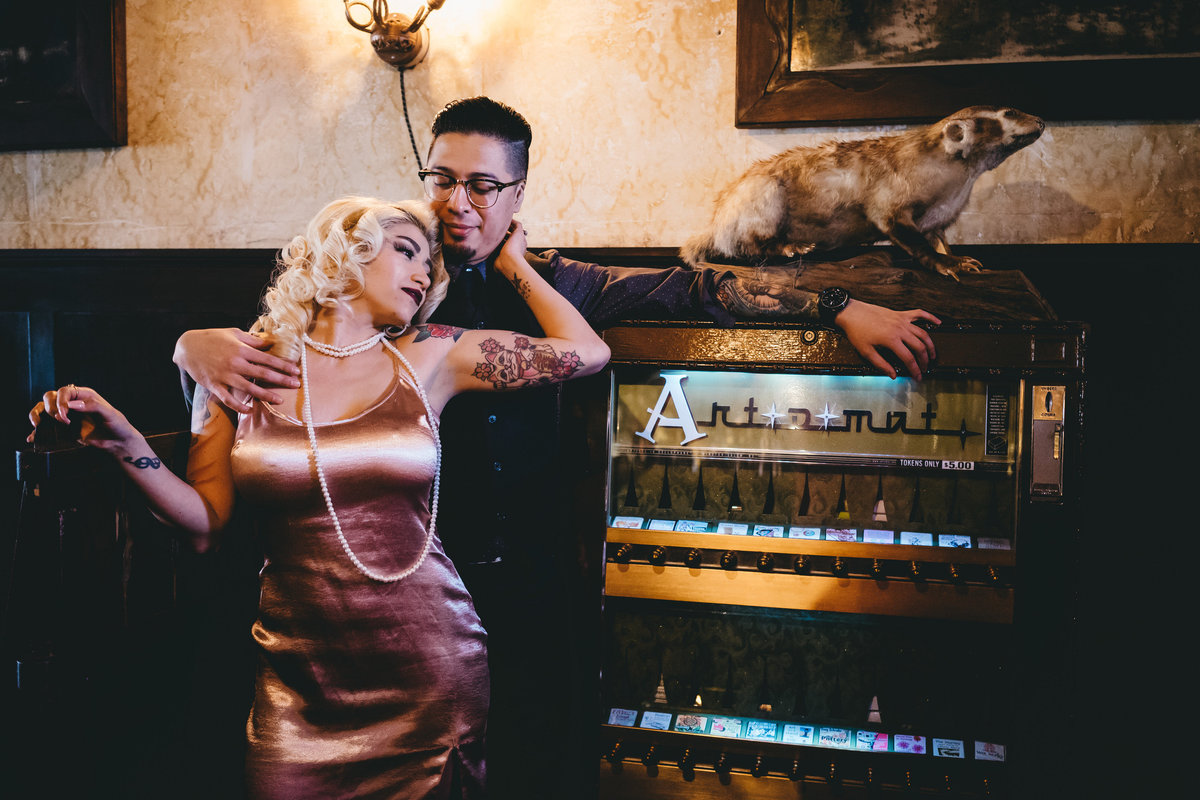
(877, 536)
(913, 537)
(726, 726)
(907, 743)
(841, 534)
(798, 734)
(656, 720)
(993, 543)
(796, 532)
(989, 751)
(628, 522)
(691, 723)
(622, 716)
(691, 526)
(733, 528)
(834, 737)
(953, 540)
(761, 730)
(661, 525)
(775, 531)
(871, 740)
(949, 748)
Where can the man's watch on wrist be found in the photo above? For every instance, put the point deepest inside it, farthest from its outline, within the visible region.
(831, 302)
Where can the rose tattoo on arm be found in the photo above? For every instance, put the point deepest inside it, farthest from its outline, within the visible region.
(524, 364)
(434, 330)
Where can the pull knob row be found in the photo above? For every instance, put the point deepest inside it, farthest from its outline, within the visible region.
(800, 564)
(833, 774)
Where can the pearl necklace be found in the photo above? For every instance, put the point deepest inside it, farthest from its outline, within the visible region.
(343, 352)
(348, 350)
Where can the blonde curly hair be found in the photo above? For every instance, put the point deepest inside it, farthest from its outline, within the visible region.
(324, 266)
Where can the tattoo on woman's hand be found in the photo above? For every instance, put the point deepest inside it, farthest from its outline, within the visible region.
(145, 462)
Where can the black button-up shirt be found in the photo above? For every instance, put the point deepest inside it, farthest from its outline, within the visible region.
(501, 481)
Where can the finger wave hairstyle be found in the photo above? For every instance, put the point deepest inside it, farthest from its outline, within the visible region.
(324, 266)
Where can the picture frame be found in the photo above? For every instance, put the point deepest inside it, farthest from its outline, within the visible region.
(62, 75)
(769, 93)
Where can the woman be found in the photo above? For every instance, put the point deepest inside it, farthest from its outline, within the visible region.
(372, 680)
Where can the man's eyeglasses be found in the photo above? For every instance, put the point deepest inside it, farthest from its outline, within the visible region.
(481, 192)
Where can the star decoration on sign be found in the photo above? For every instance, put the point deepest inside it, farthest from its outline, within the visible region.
(770, 415)
(826, 417)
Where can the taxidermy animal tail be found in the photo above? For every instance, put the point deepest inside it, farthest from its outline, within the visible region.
(746, 220)
(696, 249)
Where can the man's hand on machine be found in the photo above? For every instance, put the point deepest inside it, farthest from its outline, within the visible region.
(232, 365)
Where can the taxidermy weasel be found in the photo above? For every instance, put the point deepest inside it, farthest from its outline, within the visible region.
(906, 187)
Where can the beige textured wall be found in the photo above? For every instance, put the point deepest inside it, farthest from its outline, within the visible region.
(244, 118)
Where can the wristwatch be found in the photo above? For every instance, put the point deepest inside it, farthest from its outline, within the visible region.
(831, 302)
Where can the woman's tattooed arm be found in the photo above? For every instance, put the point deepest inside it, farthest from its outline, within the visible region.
(521, 362)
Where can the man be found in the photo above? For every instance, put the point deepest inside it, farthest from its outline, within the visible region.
(501, 512)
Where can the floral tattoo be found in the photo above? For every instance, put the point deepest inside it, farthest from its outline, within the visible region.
(435, 331)
(524, 364)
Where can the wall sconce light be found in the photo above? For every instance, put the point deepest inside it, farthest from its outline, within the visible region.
(398, 40)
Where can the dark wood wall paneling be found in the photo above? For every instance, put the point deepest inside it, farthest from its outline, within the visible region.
(110, 319)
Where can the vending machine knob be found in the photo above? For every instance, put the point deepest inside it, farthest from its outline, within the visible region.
(956, 574)
(650, 758)
(721, 766)
(729, 559)
(993, 574)
(914, 570)
(801, 565)
(832, 776)
(840, 567)
(687, 765)
(658, 556)
(759, 769)
(796, 773)
(766, 562)
(694, 558)
(948, 787)
(624, 554)
(877, 569)
(614, 755)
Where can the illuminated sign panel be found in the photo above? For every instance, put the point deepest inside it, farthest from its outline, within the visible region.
(945, 423)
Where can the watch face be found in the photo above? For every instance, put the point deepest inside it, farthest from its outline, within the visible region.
(834, 298)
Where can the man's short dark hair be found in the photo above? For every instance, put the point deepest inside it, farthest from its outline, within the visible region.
(488, 117)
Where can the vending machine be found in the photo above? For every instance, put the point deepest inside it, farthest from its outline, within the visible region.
(820, 581)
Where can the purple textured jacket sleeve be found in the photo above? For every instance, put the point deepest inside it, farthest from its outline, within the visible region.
(605, 295)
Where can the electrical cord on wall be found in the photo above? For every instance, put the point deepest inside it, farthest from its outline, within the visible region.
(411, 138)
